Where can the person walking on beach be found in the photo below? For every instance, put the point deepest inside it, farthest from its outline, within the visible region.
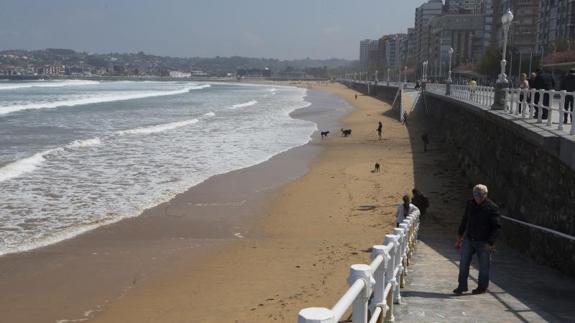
(356, 96)
(477, 233)
(405, 209)
(404, 119)
(379, 129)
(568, 84)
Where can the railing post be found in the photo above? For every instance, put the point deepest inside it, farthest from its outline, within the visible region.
(562, 109)
(316, 315)
(398, 264)
(389, 277)
(531, 103)
(380, 279)
(499, 96)
(541, 96)
(359, 307)
(550, 107)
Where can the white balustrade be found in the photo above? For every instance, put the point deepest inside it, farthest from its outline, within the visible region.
(551, 106)
(381, 279)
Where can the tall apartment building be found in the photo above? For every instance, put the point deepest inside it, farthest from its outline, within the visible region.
(364, 53)
(463, 33)
(423, 14)
(463, 6)
(523, 35)
(411, 46)
(556, 22)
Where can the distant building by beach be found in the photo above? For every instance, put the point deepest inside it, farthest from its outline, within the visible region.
(178, 74)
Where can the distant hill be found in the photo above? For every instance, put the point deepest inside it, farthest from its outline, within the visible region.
(142, 63)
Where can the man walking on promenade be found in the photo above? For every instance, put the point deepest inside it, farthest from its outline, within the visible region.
(477, 233)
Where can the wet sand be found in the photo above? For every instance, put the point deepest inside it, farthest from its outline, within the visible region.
(255, 245)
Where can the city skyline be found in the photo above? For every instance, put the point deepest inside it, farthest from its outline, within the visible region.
(256, 28)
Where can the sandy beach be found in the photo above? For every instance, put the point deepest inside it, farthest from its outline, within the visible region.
(300, 252)
(272, 244)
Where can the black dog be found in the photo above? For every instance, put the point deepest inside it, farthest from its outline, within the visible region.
(324, 134)
(376, 169)
(345, 132)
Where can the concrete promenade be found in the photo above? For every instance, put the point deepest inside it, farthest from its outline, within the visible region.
(520, 290)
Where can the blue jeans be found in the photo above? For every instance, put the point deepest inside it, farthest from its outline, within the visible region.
(467, 250)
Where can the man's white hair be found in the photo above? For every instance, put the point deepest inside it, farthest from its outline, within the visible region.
(480, 188)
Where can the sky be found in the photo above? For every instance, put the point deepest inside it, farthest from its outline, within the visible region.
(291, 29)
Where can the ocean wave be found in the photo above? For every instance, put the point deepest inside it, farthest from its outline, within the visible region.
(210, 114)
(8, 86)
(157, 128)
(243, 105)
(93, 100)
(29, 164)
(200, 87)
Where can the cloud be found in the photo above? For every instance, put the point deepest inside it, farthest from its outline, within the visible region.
(330, 30)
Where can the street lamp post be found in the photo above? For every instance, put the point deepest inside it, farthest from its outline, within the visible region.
(449, 80)
(376, 80)
(502, 82)
(405, 74)
(388, 77)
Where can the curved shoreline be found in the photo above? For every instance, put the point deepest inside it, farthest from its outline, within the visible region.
(106, 263)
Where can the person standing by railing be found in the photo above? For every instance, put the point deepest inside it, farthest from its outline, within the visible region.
(405, 209)
(523, 85)
(568, 84)
(477, 233)
(472, 89)
(543, 81)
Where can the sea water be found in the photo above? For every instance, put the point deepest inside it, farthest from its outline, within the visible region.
(75, 155)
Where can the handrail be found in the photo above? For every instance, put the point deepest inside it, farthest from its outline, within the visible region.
(381, 280)
(540, 105)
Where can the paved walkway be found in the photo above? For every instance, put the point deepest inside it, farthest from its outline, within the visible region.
(520, 290)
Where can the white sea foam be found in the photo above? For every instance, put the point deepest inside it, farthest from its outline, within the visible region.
(12, 86)
(200, 87)
(243, 105)
(158, 128)
(22, 166)
(84, 143)
(102, 98)
(99, 181)
(29, 164)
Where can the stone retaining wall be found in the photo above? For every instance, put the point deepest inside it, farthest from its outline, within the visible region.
(523, 168)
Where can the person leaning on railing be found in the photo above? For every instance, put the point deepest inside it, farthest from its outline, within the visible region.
(405, 209)
(523, 85)
(542, 81)
(472, 88)
(568, 84)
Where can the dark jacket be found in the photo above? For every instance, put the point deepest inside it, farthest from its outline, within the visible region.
(480, 222)
(543, 81)
(568, 83)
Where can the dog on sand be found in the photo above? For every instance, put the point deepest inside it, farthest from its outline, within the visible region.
(324, 134)
(345, 132)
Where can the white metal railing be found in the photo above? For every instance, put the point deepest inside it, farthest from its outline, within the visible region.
(549, 105)
(545, 106)
(381, 279)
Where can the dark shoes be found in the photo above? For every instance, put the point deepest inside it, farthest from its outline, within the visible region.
(459, 291)
(478, 291)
